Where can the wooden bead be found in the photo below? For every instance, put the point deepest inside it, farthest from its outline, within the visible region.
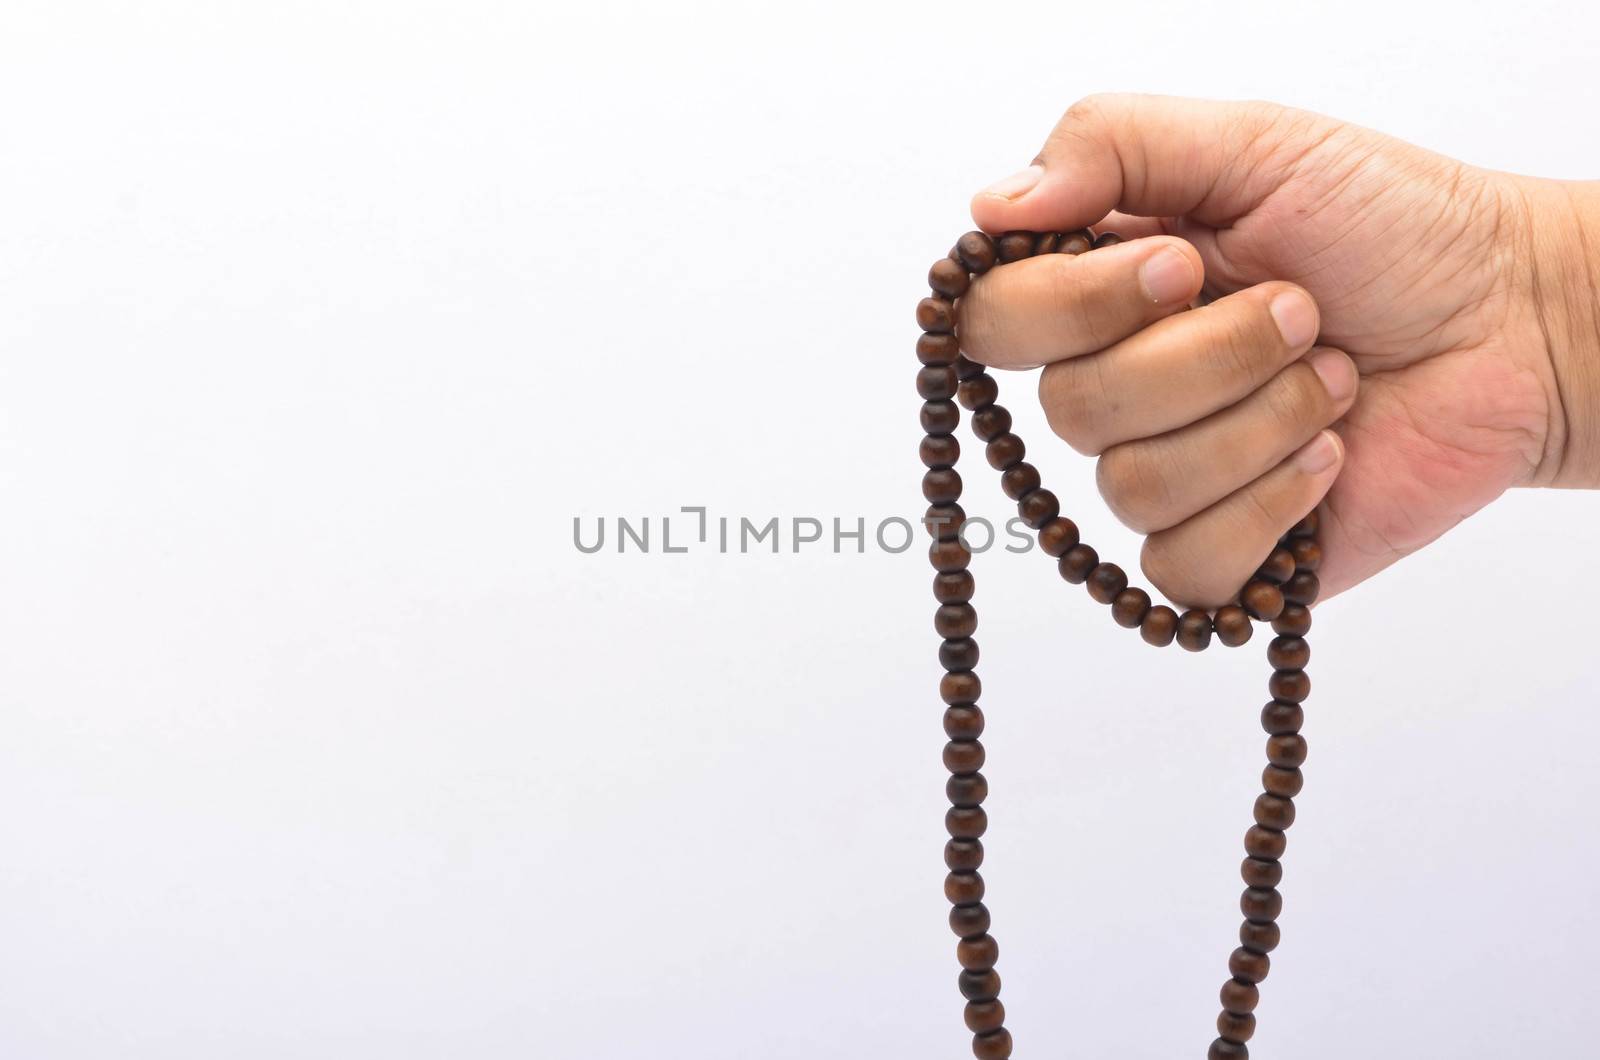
(1307, 553)
(1106, 239)
(968, 369)
(1279, 718)
(1105, 581)
(963, 855)
(1077, 562)
(1018, 480)
(1264, 843)
(969, 920)
(1194, 630)
(991, 422)
(966, 789)
(942, 485)
(963, 756)
(976, 252)
(1291, 686)
(1046, 242)
(963, 888)
(1248, 966)
(958, 654)
(1057, 536)
(1233, 625)
(940, 350)
(982, 1016)
(1294, 622)
(1130, 607)
(1259, 935)
(937, 315)
(996, 1045)
(1274, 811)
(978, 953)
(1278, 567)
(1288, 653)
(954, 586)
(1014, 246)
(950, 557)
(1222, 1049)
(954, 621)
(1078, 242)
(1261, 903)
(943, 522)
(961, 688)
(939, 450)
(948, 279)
(969, 822)
(978, 393)
(936, 382)
(1160, 625)
(964, 722)
(1288, 751)
(1005, 451)
(1239, 997)
(1257, 872)
(940, 417)
(1263, 600)
(1038, 508)
(1236, 1026)
(1302, 588)
(1284, 782)
(979, 986)
(1308, 526)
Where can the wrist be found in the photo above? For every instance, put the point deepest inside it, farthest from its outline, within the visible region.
(1563, 272)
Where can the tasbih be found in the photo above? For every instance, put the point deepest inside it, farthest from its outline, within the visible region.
(1280, 592)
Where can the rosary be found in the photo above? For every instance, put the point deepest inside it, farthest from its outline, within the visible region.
(1280, 592)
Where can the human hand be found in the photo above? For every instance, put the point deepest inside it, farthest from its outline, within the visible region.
(1457, 339)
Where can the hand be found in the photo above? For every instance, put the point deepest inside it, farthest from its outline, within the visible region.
(1440, 319)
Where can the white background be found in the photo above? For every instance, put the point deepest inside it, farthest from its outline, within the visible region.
(319, 324)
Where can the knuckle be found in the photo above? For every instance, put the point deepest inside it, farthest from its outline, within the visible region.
(1165, 561)
(1076, 289)
(1237, 347)
(1295, 398)
(1135, 485)
(980, 327)
(1068, 405)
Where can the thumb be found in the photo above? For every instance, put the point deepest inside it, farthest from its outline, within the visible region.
(1155, 156)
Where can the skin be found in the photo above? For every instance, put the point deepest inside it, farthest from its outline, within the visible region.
(1393, 334)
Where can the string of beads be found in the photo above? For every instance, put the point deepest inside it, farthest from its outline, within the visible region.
(1280, 593)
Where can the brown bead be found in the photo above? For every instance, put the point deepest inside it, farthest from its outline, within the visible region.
(963, 888)
(1078, 242)
(941, 350)
(1076, 563)
(949, 556)
(982, 1016)
(1130, 607)
(1005, 451)
(963, 855)
(1106, 239)
(1288, 653)
(1278, 718)
(1105, 582)
(948, 279)
(1261, 903)
(1278, 567)
(979, 986)
(1194, 630)
(940, 417)
(978, 953)
(1233, 625)
(1236, 1026)
(1248, 966)
(954, 621)
(944, 521)
(991, 422)
(1294, 622)
(1038, 508)
(963, 723)
(953, 586)
(963, 756)
(936, 382)
(996, 1045)
(966, 369)
(936, 315)
(1014, 246)
(1288, 751)
(1263, 600)
(1239, 997)
(1308, 526)
(969, 920)
(942, 485)
(978, 393)
(1160, 625)
(1058, 535)
(1046, 243)
(1302, 588)
(966, 822)
(1274, 811)
(976, 251)
(966, 789)
(1259, 935)
(1290, 686)
(1222, 1049)
(960, 688)
(939, 450)
(1264, 843)
(1307, 553)
(1017, 480)
(958, 654)
(1285, 782)
(1256, 872)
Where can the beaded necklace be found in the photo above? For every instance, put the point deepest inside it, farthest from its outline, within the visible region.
(1280, 592)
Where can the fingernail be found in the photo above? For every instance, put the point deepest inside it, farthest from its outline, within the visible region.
(1167, 276)
(1017, 184)
(1296, 318)
(1319, 454)
(1336, 371)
